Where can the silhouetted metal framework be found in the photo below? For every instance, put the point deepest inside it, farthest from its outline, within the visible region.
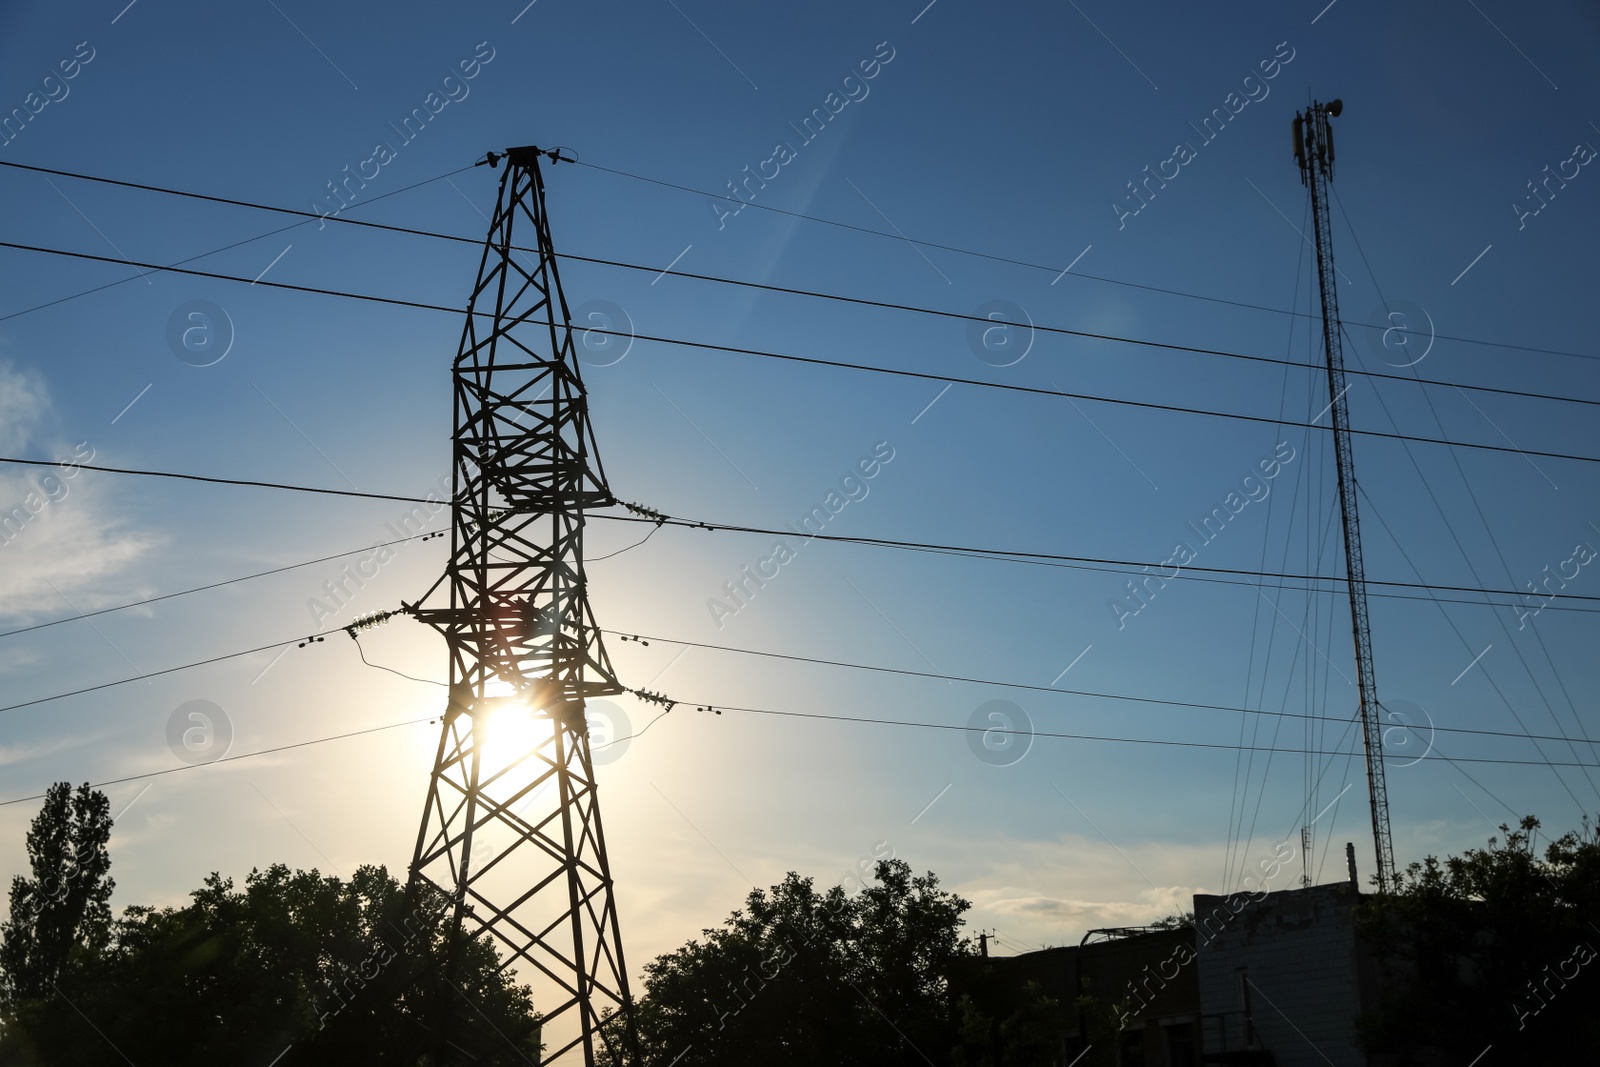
(1313, 151)
(514, 836)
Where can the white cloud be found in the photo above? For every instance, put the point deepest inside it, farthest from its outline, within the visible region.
(59, 535)
(56, 558)
(16, 659)
(1052, 892)
(16, 754)
(23, 401)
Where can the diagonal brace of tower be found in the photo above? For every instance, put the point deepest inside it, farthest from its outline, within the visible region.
(1313, 151)
(511, 830)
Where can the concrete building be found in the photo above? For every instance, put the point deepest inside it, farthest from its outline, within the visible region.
(1283, 977)
(1262, 979)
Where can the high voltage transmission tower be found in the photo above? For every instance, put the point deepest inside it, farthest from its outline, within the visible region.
(1313, 151)
(511, 831)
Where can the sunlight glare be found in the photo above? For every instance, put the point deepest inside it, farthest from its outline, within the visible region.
(512, 730)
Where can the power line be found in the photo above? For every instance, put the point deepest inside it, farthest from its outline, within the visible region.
(232, 202)
(1019, 556)
(411, 231)
(932, 675)
(308, 216)
(423, 537)
(171, 670)
(327, 633)
(751, 711)
(380, 667)
(1134, 566)
(170, 269)
(1051, 269)
(644, 730)
(1038, 391)
(711, 707)
(215, 251)
(1098, 737)
(264, 574)
(230, 759)
(217, 585)
(1303, 588)
(218, 481)
(395, 302)
(1494, 542)
(1062, 330)
(620, 551)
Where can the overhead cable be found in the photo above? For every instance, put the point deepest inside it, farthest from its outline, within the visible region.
(395, 302)
(910, 308)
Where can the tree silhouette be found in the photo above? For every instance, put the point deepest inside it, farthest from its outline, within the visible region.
(1496, 946)
(63, 911)
(295, 968)
(798, 978)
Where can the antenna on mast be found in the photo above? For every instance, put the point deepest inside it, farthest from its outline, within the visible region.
(1313, 152)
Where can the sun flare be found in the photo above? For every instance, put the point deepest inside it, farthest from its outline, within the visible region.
(512, 731)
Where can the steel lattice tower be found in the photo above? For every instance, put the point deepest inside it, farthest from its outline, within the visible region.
(1313, 150)
(512, 830)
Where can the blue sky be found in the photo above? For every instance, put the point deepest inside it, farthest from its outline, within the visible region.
(1002, 129)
